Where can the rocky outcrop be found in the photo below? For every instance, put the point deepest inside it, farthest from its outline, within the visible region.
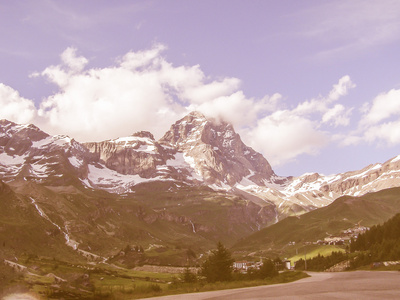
(216, 151)
(138, 154)
(194, 150)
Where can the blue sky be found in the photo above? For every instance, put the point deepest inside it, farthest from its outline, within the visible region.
(313, 85)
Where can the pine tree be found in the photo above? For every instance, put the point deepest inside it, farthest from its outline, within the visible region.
(219, 265)
(268, 269)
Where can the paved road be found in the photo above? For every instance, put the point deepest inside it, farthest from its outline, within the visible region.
(363, 285)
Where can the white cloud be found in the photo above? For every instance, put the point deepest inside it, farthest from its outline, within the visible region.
(341, 88)
(380, 121)
(237, 109)
(389, 133)
(337, 116)
(321, 104)
(384, 106)
(143, 91)
(14, 107)
(75, 63)
(283, 136)
(60, 74)
(140, 59)
(203, 93)
(110, 102)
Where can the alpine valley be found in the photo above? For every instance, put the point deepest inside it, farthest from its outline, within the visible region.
(197, 185)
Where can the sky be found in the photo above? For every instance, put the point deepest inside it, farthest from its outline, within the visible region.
(312, 85)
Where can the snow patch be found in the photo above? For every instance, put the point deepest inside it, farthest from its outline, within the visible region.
(58, 140)
(147, 148)
(6, 159)
(178, 161)
(100, 176)
(397, 158)
(76, 162)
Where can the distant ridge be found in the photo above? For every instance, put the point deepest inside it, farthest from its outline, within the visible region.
(195, 151)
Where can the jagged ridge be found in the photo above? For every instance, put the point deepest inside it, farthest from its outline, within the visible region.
(195, 151)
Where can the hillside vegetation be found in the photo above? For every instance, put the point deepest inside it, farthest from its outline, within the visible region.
(346, 212)
(380, 243)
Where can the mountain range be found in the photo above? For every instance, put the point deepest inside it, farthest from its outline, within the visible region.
(196, 185)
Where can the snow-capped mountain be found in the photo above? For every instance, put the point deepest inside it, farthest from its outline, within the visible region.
(313, 190)
(195, 151)
(27, 153)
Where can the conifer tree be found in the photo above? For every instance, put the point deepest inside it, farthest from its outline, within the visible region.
(219, 265)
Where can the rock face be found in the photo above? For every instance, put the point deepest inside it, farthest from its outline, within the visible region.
(138, 154)
(194, 150)
(311, 191)
(26, 152)
(216, 151)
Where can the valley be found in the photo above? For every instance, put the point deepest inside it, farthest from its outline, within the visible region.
(113, 206)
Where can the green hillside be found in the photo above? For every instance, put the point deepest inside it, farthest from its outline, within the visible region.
(342, 214)
(163, 218)
(24, 232)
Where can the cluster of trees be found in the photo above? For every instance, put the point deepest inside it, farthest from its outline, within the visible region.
(267, 270)
(130, 256)
(219, 267)
(380, 243)
(381, 238)
(320, 262)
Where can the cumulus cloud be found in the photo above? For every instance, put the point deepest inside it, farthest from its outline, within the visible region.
(383, 107)
(322, 104)
(135, 60)
(14, 107)
(388, 133)
(237, 109)
(284, 135)
(337, 116)
(70, 59)
(143, 91)
(341, 88)
(380, 121)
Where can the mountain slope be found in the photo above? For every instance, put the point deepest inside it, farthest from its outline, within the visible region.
(165, 219)
(197, 185)
(345, 212)
(216, 151)
(310, 191)
(24, 230)
(195, 151)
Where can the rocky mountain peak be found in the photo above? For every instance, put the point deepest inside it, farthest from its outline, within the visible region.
(196, 150)
(4, 123)
(216, 151)
(187, 129)
(144, 134)
(8, 128)
(17, 139)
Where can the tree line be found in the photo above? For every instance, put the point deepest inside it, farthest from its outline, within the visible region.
(380, 243)
(218, 267)
(321, 262)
